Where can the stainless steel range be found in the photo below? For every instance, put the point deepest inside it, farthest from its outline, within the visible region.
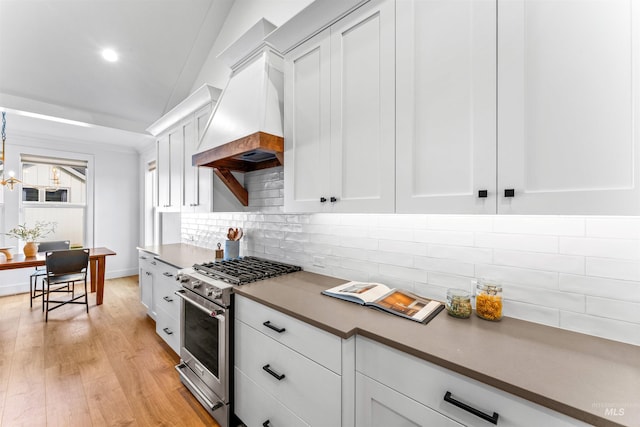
(206, 322)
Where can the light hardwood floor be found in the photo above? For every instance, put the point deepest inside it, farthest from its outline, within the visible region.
(105, 368)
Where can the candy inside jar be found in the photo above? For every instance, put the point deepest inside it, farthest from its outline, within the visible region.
(489, 301)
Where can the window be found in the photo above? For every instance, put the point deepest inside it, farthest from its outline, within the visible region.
(55, 190)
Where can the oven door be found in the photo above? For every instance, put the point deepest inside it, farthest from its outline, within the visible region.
(204, 350)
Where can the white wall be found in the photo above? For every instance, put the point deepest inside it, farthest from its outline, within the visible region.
(114, 201)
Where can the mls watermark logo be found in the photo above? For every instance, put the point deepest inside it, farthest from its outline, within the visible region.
(616, 409)
(614, 412)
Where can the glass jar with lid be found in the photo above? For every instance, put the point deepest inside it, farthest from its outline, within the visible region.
(458, 303)
(489, 301)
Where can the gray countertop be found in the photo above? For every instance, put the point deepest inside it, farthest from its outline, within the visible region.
(180, 255)
(575, 374)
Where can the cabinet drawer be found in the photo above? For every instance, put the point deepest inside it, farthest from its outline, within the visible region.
(380, 406)
(164, 297)
(255, 406)
(316, 344)
(427, 383)
(168, 328)
(308, 389)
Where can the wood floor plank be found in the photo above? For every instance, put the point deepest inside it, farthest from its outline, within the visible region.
(104, 368)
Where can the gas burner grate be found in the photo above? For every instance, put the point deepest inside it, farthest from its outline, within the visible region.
(244, 270)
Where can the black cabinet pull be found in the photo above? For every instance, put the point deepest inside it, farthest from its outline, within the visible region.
(493, 419)
(509, 192)
(168, 331)
(266, 423)
(273, 327)
(167, 299)
(143, 257)
(483, 193)
(323, 199)
(333, 199)
(275, 375)
(166, 273)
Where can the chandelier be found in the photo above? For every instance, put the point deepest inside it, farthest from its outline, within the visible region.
(12, 180)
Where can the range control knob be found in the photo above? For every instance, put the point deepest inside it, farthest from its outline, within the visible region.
(214, 293)
(182, 278)
(196, 284)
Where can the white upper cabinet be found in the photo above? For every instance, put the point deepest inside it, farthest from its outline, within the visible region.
(465, 106)
(198, 181)
(340, 116)
(446, 106)
(307, 125)
(363, 110)
(181, 186)
(170, 155)
(568, 98)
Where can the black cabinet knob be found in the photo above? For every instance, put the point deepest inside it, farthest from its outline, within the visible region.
(483, 193)
(333, 199)
(323, 199)
(509, 192)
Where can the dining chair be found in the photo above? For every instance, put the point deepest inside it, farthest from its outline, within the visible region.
(42, 271)
(65, 268)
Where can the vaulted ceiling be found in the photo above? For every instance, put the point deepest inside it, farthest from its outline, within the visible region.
(50, 60)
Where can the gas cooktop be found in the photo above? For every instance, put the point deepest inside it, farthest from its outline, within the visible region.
(244, 270)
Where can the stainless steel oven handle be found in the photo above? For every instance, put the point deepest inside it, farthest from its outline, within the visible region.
(213, 313)
(196, 389)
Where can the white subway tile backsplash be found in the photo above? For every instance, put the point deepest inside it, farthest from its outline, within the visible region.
(392, 258)
(539, 225)
(517, 242)
(601, 327)
(450, 281)
(414, 222)
(521, 276)
(403, 247)
(461, 253)
(437, 293)
(614, 309)
(347, 252)
(614, 227)
(545, 298)
(403, 273)
(540, 261)
(603, 248)
(482, 223)
(575, 272)
(358, 242)
(613, 268)
(443, 265)
(390, 233)
(532, 313)
(457, 238)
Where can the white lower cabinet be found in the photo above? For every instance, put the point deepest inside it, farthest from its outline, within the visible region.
(419, 383)
(146, 269)
(157, 287)
(167, 306)
(380, 406)
(259, 408)
(277, 379)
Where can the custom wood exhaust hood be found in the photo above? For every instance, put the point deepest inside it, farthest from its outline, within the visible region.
(245, 131)
(257, 151)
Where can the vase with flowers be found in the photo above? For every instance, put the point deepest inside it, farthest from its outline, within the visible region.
(31, 235)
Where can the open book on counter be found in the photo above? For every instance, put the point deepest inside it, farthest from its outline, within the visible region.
(395, 301)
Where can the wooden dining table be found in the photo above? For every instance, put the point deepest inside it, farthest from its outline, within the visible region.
(97, 266)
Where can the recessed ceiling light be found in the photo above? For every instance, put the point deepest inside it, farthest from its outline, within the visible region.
(110, 55)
